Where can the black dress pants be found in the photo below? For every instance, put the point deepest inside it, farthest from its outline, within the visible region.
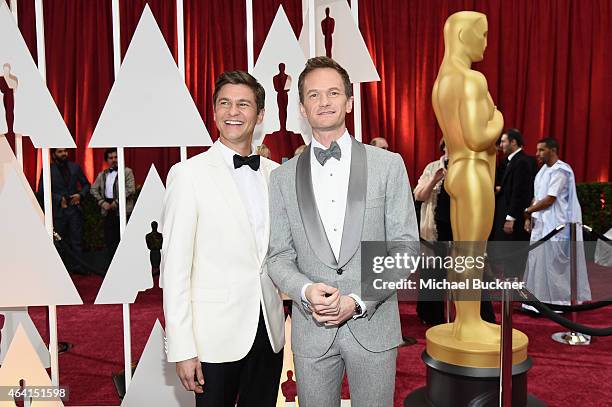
(111, 233)
(252, 381)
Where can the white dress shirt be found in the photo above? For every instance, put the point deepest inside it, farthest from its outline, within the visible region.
(253, 192)
(111, 176)
(330, 187)
(508, 217)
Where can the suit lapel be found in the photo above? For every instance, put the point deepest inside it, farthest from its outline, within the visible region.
(355, 203)
(313, 227)
(228, 189)
(507, 170)
(509, 166)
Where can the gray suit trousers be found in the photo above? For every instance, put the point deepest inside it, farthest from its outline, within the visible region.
(371, 375)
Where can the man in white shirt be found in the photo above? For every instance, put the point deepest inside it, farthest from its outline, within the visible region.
(555, 203)
(323, 204)
(224, 316)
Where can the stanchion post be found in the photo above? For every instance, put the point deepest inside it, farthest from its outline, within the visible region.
(573, 338)
(449, 294)
(505, 348)
(573, 269)
(448, 304)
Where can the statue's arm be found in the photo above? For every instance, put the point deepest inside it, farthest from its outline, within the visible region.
(481, 122)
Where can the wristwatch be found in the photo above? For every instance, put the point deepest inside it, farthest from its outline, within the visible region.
(358, 309)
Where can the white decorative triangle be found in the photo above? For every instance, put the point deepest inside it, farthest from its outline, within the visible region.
(155, 382)
(13, 318)
(130, 270)
(348, 47)
(149, 104)
(36, 114)
(281, 46)
(22, 362)
(8, 160)
(32, 272)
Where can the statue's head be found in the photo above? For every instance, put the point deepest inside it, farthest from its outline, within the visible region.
(281, 67)
(154, 225)
(327, 11)
(466, 32)
(6, 68)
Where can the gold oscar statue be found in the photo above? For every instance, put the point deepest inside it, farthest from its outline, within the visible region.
(471, 124)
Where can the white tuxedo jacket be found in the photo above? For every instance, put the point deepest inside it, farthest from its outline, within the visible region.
(214, 278)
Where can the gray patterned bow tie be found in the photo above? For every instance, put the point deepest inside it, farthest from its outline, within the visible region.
(324, 155)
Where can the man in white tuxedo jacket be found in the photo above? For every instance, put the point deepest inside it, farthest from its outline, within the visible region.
(224, 316)
(324, 203)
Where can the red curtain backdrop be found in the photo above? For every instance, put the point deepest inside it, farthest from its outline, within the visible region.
(215, 41)
(548, 67)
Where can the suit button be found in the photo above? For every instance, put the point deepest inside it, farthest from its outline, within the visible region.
(340, 271)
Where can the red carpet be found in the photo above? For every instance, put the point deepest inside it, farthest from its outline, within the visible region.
(562, 375)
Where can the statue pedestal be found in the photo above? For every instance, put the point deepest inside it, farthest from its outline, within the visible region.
(459, 386)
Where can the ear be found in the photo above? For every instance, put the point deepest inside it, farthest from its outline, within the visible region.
(349, 104)
(260, 116)
(303, 111)
(461, 35)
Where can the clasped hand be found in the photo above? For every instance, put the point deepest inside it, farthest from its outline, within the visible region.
(328, 306)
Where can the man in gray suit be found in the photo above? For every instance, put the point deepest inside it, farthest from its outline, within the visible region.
(323, 203)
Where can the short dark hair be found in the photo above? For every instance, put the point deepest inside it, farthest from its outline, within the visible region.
(241, 78)
(550, 143)
(515, 134)
(320, 63)
(54, 150)
(108, 152)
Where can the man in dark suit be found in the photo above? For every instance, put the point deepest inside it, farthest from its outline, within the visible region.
(515, 194)
(69, 186)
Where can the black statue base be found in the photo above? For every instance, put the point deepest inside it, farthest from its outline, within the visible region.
(458, 386)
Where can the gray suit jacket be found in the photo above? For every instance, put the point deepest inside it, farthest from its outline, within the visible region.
(379, 208)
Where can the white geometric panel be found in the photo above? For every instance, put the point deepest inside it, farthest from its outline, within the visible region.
(32, 272)
(281, 46)
(22, 362)
(7, 158)
(348, 47)
(14, 318)
(36, 114)
(149, 104)
(603, 251)
(130, 270)
(155, 382)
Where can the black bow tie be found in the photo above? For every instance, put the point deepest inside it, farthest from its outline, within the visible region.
(112, 169)
(252, 161)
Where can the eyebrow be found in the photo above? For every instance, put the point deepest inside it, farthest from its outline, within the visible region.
(320, 90)
(229, 100)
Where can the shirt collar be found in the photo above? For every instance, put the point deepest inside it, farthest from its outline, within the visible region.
(344, 142)
(513, 154)
(228, 153)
